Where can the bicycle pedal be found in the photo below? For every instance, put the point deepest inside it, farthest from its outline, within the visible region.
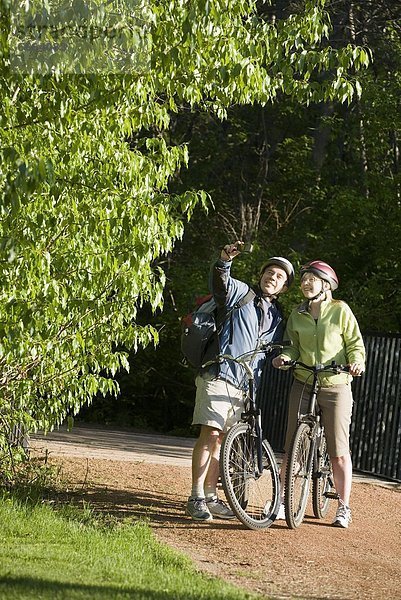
(331, 495)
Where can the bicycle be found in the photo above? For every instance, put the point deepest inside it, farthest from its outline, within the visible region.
(308, 459)
(248, 467)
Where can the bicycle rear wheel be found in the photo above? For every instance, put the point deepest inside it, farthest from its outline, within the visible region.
(253, 497)
(297, 481)
(322, 481)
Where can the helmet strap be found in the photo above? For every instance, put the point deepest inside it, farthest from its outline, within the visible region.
(268, 296)
(322, 291)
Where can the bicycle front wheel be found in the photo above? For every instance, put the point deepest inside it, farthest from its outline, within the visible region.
(323, 484)
(254, 497)
(298, 476)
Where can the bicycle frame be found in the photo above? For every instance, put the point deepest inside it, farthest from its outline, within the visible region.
(252, 415)
(312, 418)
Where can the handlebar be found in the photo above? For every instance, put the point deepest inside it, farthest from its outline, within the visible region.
(266, 346)
(333, 366)
(242, 358)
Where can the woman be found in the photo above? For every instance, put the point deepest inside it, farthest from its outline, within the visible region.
(323, 330)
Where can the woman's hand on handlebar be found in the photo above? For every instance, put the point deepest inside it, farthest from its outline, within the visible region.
(279, 362)
(355, 369)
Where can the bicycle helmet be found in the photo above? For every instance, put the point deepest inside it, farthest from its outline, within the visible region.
(283, 263)
(322, 270)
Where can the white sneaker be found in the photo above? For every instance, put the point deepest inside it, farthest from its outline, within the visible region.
(219, 509)
(197, 509)
(343, 517)
(281, 513)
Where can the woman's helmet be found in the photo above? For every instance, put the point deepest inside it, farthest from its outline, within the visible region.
(283, 263)
(322, 270)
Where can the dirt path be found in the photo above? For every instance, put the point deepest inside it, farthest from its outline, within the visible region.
(314, 562)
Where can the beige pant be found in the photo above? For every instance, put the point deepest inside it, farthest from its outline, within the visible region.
(336, 408)
(218, 403)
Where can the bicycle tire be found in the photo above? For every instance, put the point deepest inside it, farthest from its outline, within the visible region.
(322, 480)
(297, 480)
(253, 499)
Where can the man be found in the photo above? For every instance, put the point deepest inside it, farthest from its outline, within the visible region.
(219, 397)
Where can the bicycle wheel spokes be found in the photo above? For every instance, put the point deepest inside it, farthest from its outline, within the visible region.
(322, 487)
(298, 477)
(240, 469)
(253, 496)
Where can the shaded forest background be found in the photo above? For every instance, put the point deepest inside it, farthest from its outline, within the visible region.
(318, 181)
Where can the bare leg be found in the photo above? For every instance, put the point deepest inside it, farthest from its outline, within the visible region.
(213, 472)
(342, 473)
(205, 460)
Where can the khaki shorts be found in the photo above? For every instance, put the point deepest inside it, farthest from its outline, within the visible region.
(336, 408)
(218, 403)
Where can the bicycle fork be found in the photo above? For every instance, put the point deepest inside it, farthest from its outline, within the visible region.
(312, 454)
(253, 415)
(258, 432)
(323, 470)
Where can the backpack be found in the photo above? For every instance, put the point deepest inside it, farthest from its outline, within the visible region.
(201, 328)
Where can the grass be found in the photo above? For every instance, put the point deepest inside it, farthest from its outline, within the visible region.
(69, 554)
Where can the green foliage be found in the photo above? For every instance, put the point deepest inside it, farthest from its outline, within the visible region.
(84, 214)
(86, 209)
(31, 481)
(321, 181)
